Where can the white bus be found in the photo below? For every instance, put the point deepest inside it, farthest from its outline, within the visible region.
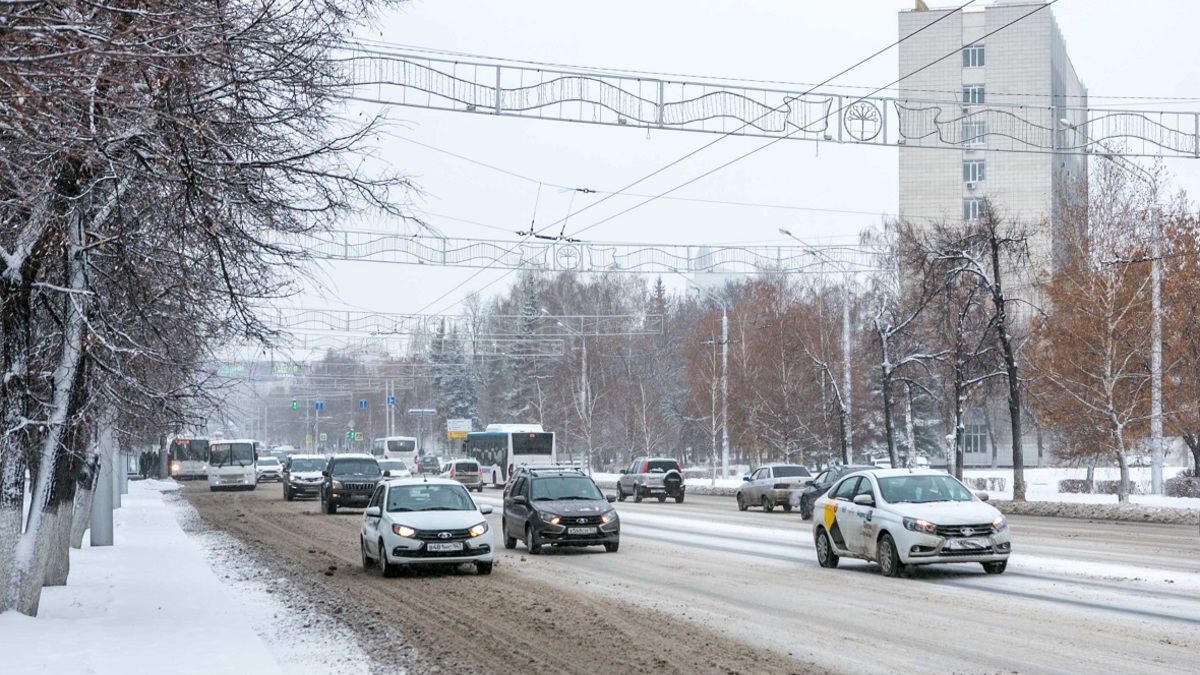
(395, 447)
(233, 464)
(188, 458)
(504, 447)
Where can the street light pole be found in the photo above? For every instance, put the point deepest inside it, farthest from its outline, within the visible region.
(724, 391)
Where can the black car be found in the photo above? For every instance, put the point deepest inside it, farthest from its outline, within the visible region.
(558, 507)
(349, 480)
(429, 464)
(822, 483)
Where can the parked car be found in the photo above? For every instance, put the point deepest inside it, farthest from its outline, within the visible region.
(882, 463)
(349, 480)
(429, 464)
(394, 468)
(659, 477)
(821, 483)
(302, 476)
(465, 471)
(412, 522)
(905, 517)
(558, 506)
(269, 468)
(773, 485)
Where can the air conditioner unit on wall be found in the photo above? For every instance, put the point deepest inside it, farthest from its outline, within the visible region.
(970, 185)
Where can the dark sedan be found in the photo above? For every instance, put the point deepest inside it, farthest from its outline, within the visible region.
(821, 484)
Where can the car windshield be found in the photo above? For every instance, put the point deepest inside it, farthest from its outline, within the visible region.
(466, 467)
(307, 464)
(392, 465)
(269, 462)
(430, 461)
(553, 488)
(791, 471)
(357, 467)
(426, 497)
(920, 489)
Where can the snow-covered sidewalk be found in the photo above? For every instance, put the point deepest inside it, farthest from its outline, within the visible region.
(150, 604)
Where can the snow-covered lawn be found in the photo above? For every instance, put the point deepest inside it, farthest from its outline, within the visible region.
(153, 604)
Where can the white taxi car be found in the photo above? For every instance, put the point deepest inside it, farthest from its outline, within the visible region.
(412, 522)
(903, 517)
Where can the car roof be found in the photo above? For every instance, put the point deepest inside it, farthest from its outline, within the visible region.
(307, 457)
(353, 455)
(394, 482)
(769, 466)
(886, 473)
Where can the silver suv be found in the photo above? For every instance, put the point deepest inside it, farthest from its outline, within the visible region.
(659, 477)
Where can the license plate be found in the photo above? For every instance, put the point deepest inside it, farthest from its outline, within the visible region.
(581, 530)
(970, 544)
(443, 546)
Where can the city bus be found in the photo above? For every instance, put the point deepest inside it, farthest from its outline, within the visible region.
(188, 458)
(395, 447)
(503, 447)
(233, 464)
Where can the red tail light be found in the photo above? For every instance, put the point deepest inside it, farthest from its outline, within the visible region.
(452, 473)
(645, 467)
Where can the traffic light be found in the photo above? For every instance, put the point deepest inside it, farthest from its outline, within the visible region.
(295, 404)
(349, 435)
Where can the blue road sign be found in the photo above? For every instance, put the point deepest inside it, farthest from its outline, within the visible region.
(319, 405)
(391, 400)
(362, 403)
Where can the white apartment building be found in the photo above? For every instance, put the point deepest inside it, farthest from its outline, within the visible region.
(1013, 83)
(991, 112)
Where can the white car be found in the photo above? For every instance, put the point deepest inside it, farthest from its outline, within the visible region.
(905, 517)
(413, 522)
(394, 468)
(269, 468)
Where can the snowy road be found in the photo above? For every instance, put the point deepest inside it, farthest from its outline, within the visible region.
(1078, 596)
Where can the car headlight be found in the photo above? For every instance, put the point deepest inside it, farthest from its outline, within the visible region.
(1000, 524)
(479, 530)
(608, 517)
(918, 525)
(292, 479)
(337, 485)
(404, 531)
(549, 518)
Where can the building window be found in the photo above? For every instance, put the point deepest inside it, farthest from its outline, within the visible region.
(972, 94)
(972, 208)
(973, 56)
(975, 438)
(973, 133)
(973, 170)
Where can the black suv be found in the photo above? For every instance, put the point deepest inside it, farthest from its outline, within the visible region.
(822, 483)
(558, 506)
(349, 480)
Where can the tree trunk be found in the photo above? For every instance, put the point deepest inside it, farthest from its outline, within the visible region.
(85, 491)
(960, 430)
(1193, 442)
(889, 422)
(58, 522)
(1123, 486)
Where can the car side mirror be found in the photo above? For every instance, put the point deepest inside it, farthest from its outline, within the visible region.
(864, 500)
(387, 474)
(371, 512)
(520, 499)
(806, 483)
(623, 471)
(325, 473)
(745, 479)
(485, 509)
(610, 498)
(983, 496)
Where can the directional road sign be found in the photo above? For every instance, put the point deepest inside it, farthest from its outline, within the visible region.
(391, 400)
(362, 403)
(319, 405)
(422, 412)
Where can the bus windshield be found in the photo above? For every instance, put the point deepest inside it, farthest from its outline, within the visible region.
(194, 450)
(231, 454)
(533, 443)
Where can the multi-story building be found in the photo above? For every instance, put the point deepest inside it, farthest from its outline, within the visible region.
(1014, 93)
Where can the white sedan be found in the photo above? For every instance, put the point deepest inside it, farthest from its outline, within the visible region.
(411, 522)
(904, 517)
(394, 468)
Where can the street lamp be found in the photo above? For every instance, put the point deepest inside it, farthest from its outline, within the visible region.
(846, 398)
(724, 374)
(1156, 412)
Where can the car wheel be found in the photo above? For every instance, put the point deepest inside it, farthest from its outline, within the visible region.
(996, 567)
(662, 498)
(620, 493)
(889, 557)
(679, 498)
(612, 546)
(532, 542)
(637, 493)
(509, 542)
(787, 507)
(366, 559)
(825, 555)
(767, 505)
(805, 509)
(386, 568)
(741, 502)
(483, 567)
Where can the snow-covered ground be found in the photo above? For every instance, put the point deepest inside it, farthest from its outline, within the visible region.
(164, 601)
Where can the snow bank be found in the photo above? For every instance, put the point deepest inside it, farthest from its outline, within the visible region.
(1124, 512)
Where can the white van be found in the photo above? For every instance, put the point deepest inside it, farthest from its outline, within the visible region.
(233, 464)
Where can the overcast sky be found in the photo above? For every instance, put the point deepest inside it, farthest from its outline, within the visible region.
(1120, 49)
